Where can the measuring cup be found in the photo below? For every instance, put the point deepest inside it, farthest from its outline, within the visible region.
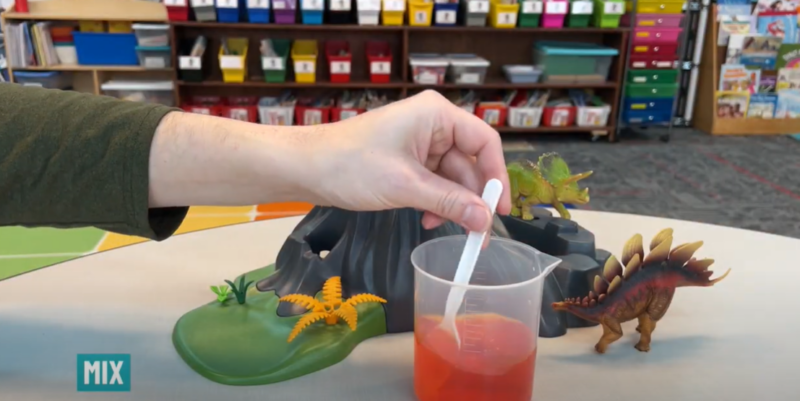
(497, 322)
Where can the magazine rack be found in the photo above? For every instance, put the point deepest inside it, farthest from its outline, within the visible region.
(705, 114)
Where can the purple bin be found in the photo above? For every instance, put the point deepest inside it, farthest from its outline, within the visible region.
(284, 11)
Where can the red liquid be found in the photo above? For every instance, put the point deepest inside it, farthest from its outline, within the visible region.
(499, 368)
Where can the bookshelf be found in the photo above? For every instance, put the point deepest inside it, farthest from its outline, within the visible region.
(90, 78)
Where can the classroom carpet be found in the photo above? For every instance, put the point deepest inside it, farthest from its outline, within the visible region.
(745, 182)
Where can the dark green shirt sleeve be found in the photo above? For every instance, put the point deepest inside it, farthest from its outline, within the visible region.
(70, 159)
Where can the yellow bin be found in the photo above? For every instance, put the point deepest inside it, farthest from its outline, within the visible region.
(503, 15)
(392, 12)
(657, 6)
(233, 65)
(92, 26)
(120, 27)
(420, 12)
(304, 57)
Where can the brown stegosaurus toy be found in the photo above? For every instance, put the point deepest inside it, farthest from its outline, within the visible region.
(643, 290)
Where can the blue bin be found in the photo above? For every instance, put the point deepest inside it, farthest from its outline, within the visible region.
(311, 17)
(258, 15)
(445, 14)
(225, 14)
(95, 48)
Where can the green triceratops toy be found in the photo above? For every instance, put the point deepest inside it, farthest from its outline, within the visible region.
(547, 182)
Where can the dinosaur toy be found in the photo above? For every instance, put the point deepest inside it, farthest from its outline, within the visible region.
(332, 308)
(547, 182)
(643, 290)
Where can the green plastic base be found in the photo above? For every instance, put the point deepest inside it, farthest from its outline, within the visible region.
(275, 76)
(244, 345)
(578, 21)
(609, 21)
(529, 20)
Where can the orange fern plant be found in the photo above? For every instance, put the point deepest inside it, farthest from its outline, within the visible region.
(332, 308)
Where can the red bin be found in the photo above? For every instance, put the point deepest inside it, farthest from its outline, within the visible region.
(339, 60)
(307, 115)
(177, 10)
(339, 114)
(243, 108)
(558, 116)
(379, 58)
(492, 114)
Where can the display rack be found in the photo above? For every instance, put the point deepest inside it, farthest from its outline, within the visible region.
(499, 46)
(90, 78)
(705, 111)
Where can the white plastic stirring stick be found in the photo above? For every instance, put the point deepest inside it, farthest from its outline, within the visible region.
(491, 195)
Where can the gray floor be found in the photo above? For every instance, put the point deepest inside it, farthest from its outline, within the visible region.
(746, 182)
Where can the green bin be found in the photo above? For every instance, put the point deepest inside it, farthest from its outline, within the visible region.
(580, 13)
(652, 76)
(607, 13)
(573, 62)
(530, 13)
(275, 67)
(651, 90)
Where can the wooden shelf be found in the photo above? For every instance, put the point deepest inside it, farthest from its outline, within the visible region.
(400, 85)
(90, 68)
(509, 85)
(514, 130)
(98, 10)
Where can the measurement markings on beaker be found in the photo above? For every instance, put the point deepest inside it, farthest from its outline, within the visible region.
(474, 303)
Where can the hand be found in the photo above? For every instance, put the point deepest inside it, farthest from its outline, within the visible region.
(422, 152)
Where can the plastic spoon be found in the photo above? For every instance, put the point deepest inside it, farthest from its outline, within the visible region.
(491, 195)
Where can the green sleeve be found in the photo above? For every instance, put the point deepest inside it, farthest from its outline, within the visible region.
(70, 159)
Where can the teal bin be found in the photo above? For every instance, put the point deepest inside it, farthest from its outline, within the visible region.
(573, 62)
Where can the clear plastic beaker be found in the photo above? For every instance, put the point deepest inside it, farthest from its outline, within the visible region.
(494, 356)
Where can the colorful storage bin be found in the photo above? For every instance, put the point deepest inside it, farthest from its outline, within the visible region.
(152, 34)
(227, 10)
(503, 15)
(419, 12)
(154, 57)
(379, 58)
(92, 26)
(580, 13)
(234, 65)
(177, 10)
(607, 13)
(311, 11)
(658, 6)
(475, 12)
(271, 113)
(573, 61)
(656, 20)
(652, 76)
(652, 90)
(368, 11)
(445, 14)
(204, 10)
(258, 11)
(555, 11)
(340, 11)
(530, 13)
(393, 11)
(120, 27)
(275, 67)
(467, 69)
(105, 48)
(428, 68)
(304, 58)
(340, 60)
(284, 11)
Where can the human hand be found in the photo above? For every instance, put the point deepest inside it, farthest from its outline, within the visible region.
(421, 152)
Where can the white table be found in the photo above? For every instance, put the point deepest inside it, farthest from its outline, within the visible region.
(739, 340)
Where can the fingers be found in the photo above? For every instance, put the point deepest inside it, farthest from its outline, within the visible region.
(463, 169)
(448, 200)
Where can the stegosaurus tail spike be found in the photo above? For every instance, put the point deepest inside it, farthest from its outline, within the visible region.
(616, 283)
(611, 269)
(660, 237)
(632, 247)
(600, 285)
(660, 253)
(632, 267)
(681, 254)
(698, 266)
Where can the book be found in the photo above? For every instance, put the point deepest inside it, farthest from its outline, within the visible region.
(788, 104)
(732, 104)
(760, 51)
(737, 78)
(768, 82)
(788, 56)
(778, 24)
(763, 6)
(788, 78)
(735, 46)
(762, 106)
(732, 25)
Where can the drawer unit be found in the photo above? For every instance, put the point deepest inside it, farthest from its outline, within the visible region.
(657, 35)
(651, 90)
(659, 48)
(646, 117)
(659, 7)
(653, 76)
(652, 62)
(648, 104)
(659, 20)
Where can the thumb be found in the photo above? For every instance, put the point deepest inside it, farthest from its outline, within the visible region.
(451, 201)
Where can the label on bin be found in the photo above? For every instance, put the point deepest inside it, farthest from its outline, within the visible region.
(258, 4)
(304, 67)
(445, 17)
(420, 17)
(175, 3)
(532, 7)
(478, 6)
(202, 3)
(369, 5)
(230, 63)
(345, 114)
(555, 7)
(340, 67)
(507, 18)
(279, 5)
(491, 116)
(469, 78)
(154, 62)
(582, 7)
(312, 117)
(340, 5)
(227, 4)
(380, 67)
(614, 8)
(271, 63)
(189, 63)
(314, 5)
(394, 5)
(560, 117)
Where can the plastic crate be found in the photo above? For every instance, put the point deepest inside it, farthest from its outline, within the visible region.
(339, 114)
(379, 57)
(177, 10)
(592, 116)
(652, 76)
(242, 108)
(420, 12)
(92, 26)
(340, 60)
(152, 35)
(258, 11)
(657, 35)
(428, 68)
(475, 12)
(204, 10)
(524, 117)
(271, 114)
(120, 27)
(49, 79)
(494, 115)
(106, 48)
(141, 91)
(445, 14)
(234, 66)
(275, 67)
(503, 15)
(304, 58)
(306, 115)
(530, 13)
(654, 20)
(608, 13)
(658, 7)
(522, 74)
(580, 13)
(284, 11)
(393, 11)
(154, 57)
(368, 11)
(467, 68)
(311, 11)
(573, 61)
(555, 11)
(558, 116)
(340, 12)
(227, 10)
